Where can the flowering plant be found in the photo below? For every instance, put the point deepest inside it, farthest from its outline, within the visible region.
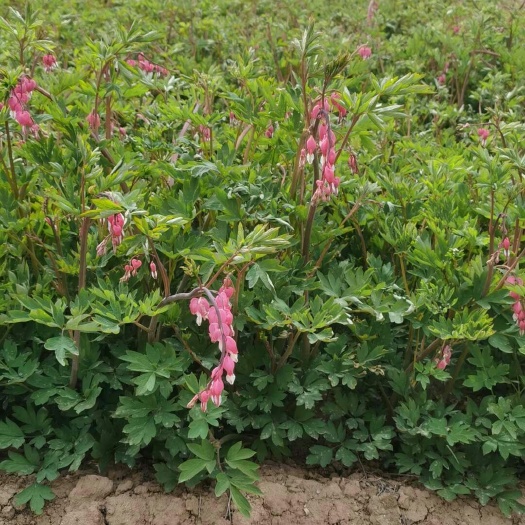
(294, 249)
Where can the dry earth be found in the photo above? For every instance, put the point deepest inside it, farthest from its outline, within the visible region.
(291, 497)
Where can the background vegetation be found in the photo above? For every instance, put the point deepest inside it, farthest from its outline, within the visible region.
(378, 318)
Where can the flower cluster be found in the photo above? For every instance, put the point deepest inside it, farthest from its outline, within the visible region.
(131, 269)
(328, 182)
(444, 359)
(93, 120)
(18, 99)
(517, 307)
(220, 330)
(483, 134)
(116, 233)
(205, 133)
(116, 229)
(148, 67)
(365, 52)
(50, 62)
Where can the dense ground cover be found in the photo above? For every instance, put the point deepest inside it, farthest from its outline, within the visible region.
(304, 220)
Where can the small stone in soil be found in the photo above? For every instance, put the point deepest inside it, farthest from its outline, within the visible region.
(8, 512)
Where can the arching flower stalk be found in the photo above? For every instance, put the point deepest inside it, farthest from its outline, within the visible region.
(218, 312)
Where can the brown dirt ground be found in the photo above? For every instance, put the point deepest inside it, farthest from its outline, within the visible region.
(291, 497)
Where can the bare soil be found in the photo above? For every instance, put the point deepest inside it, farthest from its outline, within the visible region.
(291, 497)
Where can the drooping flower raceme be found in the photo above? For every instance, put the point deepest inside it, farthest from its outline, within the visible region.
(17, 102)
(517, 308)
(131, 269)
(443, 361)
(116, 229)
(50, 62)
(116, 233)
(93, 120)
(205, 133)
(148, 67)
(220, 330)
(373, 6)
(328, 183)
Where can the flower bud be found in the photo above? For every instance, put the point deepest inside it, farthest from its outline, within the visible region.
(153, 270)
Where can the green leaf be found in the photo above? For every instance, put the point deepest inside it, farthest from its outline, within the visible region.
(140, 430)
(508, 502)
(145, 383)
(192, 383)
(501, 343)
(319, 455)
(198, 429)
(314, 427)
(436, 467)
(295, 430)
(204, 451)
(11, 434)
(236, 452)
(222, 485)
(248, 468)
(36, 494)
(346, 456)
(89, 401)
(242, 504)
(461, 432)
(166, 476)
(21, 464)
(192, 467)
(61, 345)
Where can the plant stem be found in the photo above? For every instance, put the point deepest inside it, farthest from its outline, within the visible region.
(424, 353)
(183, 296)
(404, 273)
(297, 165)
(292, 341)
(355, 207)
(269, 349)
(12, 182)
(161, 268)
(188, 349)
(305, 247)
(82, 273)
(353, 122)
(108, 118)
(503, 280)
(248, 147)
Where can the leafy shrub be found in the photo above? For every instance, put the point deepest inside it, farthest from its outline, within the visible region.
(365, 218)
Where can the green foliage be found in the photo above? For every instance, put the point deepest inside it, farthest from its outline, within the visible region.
(376, 325)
